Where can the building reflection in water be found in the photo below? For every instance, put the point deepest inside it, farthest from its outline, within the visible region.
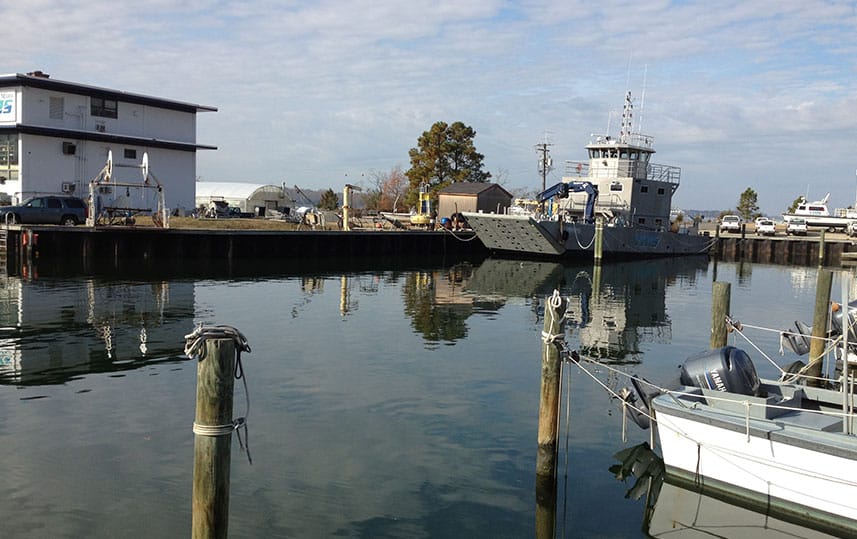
(52, 330)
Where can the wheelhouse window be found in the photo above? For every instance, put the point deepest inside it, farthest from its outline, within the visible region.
(644, 188)
(661, 190)
(105, 108)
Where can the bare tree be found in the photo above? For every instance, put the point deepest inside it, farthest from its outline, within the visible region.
(387, 190)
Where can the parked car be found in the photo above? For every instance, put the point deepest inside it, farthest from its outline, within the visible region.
(851, 229)
(796, 226)
(51, 209)
(730, 223)
(765, 227)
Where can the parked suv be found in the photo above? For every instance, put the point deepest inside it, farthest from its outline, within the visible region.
(730, 223)
(51, 209)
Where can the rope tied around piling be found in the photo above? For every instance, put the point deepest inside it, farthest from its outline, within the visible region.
(195, 348)
(555, 301)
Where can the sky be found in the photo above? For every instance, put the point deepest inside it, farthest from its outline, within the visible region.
(759, 95)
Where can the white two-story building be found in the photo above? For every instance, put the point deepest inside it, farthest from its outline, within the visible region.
(55, 137)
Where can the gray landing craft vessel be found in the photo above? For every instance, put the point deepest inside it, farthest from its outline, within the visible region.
(619, 187)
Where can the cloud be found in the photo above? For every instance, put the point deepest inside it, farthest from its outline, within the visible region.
(313, 91)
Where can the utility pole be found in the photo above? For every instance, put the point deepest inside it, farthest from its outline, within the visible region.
(545, 161)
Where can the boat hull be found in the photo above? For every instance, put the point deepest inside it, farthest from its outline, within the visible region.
(773, 461)
(523, 235)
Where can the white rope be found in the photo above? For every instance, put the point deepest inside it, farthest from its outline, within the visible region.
(829, 346)
(195, 349)
(451, 233)
(555, 301)
(674, 393)
(577, 238)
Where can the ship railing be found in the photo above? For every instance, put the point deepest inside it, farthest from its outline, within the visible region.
(625, 169)
(577, 168)
(664, 173)
(576, 202)
(635, 139)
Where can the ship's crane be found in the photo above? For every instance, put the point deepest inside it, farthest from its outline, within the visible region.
(562, 189)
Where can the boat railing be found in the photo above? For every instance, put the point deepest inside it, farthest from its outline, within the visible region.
(664, 173)
(577, 168)
(634, 139)
(612, 202)
(624, 169)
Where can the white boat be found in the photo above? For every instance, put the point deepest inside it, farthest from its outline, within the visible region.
(782, 444)
(620, 186)
(682, 509)
(818, 214)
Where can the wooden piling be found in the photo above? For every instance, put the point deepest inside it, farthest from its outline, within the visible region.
(549, 397)
(821, 248)
(211, 463)
(546, 458)
(819, 325)
(720, 305)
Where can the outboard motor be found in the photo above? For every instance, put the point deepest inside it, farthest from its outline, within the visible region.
(797, 341)
(639, 396)
(838, 321)
(727, 369)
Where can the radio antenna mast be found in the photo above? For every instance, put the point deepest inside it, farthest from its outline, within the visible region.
(642, 100)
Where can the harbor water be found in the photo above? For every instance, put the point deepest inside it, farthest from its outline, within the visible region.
(390, 401)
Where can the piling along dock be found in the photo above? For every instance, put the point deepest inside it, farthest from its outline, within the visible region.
(818, 247)
(118, 247)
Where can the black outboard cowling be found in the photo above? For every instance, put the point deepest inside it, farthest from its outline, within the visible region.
(727, 369)
(838, 321)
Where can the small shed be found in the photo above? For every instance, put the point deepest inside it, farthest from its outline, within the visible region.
(245, 196)
(473, 197)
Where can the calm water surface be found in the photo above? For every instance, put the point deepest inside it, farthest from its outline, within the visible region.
(384, 403)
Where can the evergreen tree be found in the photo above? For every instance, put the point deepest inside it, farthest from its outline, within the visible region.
(748, 207)
(328, 200)
(794, 204)
(444, 154)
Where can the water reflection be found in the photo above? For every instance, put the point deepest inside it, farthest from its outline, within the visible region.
(614, 308)
(52, 330)
(673, 508)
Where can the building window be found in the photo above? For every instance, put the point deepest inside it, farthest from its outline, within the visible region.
(130, 154)
(57, 108)
(106, 108)
(8, 158)
(644, 188)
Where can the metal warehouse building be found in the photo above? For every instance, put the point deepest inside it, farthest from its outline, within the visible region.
(246, 196)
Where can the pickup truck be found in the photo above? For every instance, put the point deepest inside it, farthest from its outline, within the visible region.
(765, 227)
(796, 226)
(730, 223)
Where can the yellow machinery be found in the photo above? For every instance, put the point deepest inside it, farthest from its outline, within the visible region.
(423, 217)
